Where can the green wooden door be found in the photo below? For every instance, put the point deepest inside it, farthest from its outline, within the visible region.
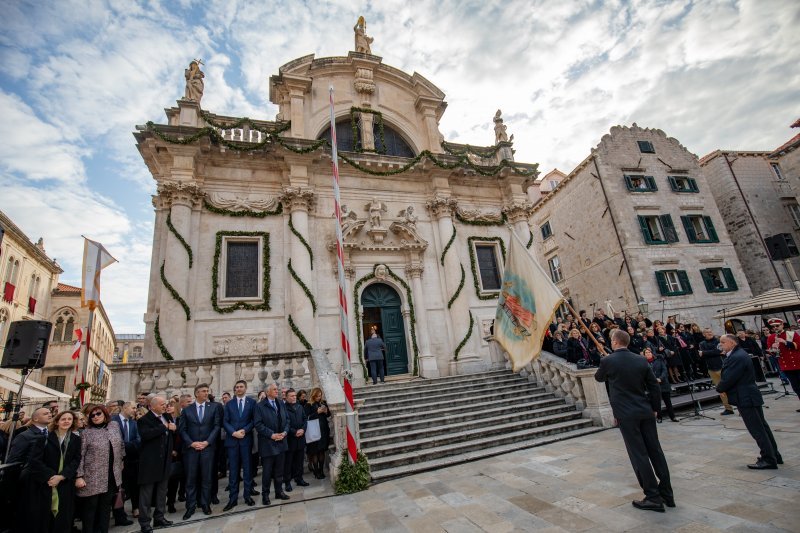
(383, 298)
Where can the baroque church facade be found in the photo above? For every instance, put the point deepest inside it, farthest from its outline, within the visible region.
(244, 256)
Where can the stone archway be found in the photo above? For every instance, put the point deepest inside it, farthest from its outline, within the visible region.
(382, 307)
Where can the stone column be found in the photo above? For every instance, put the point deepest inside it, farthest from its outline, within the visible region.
(428, 107)
(180, 197)
(427, 362)
(299, 201)
(518, 212)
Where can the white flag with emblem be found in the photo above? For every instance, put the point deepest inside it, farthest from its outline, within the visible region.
(95, 259)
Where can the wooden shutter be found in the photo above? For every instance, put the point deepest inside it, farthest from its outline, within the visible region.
(712, 233)
(628, 182)
(686, 287)
(709, 283)
(648, 239)
(693, 185)
(661, 279)
(687, 225)
(651, 183)
(729, 279)
(672, 183)
(670, 235)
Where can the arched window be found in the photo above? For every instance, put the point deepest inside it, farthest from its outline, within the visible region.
(9, 269)
(63, 326)
(69, 328)
(3, 322)
(392, 143)
(58, 329)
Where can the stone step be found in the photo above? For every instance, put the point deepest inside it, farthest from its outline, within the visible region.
(414, 432)
(388, 386)
(520, 439)
(423, 409)
(468, 395)
(399, 423)
(380, 392)
(393, 472)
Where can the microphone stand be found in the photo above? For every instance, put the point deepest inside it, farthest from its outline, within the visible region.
(695, 402)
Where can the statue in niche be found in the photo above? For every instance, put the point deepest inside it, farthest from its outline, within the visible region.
(500, 135)
(194, 81)
(375, 209)
(408, 216)
(362, 40)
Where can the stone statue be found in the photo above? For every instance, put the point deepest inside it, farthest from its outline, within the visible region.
(476, 215)
(194, 81)
(380, 272)
(375, 209)
(500, 134)
(408, 216)
(349, 218)
(362, 40)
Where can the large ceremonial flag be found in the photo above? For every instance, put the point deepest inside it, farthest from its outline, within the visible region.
(527, 302)
(95, 259)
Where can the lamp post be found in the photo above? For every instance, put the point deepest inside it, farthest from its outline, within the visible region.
(644, 307)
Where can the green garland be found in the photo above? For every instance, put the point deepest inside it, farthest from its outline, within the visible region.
(302, 286)
(243, 213)
(481, 152)
(179, 237)
(460, 286)
(530, 240)
(502, 222)
(299, 334)
(352, 478)
(174, 293)
(303, 241)
(474, 265)
(264, 306)
(160, 342)
(466, 337)
(356, 306)
(447, 246)
(244, 120)
(354, 125)
(461, 161)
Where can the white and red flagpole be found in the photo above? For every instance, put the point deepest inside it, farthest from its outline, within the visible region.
(348, 387)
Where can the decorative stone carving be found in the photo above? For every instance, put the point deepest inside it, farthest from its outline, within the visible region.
(408, 217)
(364, 82)
(240, 345)
(295, 198)
(476, 215)
(194, 81)
(441, 205)
(247, 202)
(405, 230)
(366, 129)
(375, 209)
(518, 211)
(350, 222)
(363, 42)
(500, 135)
(380, 272)
(414, 270)
(179, 193)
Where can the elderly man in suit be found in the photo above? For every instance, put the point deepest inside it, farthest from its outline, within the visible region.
(635, 400)
(238, 424)
(130, 465)
(157, 431)
(199, 426)
(739, 382)
(272, 423)
(27, 448)
(374, 348)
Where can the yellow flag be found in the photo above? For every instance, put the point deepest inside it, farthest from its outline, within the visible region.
(528, 300)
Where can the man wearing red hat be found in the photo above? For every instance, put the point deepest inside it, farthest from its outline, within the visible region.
(787, 344)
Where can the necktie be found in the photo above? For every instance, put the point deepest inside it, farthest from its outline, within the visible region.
(127, 431)
(44, 432)
(200, 416)
(272, 403)
(241, 406)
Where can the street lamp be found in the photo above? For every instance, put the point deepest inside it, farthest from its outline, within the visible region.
(644, 307)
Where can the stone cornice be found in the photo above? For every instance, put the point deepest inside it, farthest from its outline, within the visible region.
(14, 232)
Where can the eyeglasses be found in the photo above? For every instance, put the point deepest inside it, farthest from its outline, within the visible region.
(97, 413)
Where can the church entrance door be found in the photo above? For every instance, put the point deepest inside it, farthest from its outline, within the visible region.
(382, 305)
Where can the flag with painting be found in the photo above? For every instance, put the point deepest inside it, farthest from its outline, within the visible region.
(527, 302)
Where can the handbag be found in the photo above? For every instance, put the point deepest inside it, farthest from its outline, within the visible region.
(119, 501)
(313, 432)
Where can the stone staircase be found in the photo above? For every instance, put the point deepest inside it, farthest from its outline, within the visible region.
(424, 424)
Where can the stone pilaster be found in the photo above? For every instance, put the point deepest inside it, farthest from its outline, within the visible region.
(427, 362)
(518, 213)
(299, 201)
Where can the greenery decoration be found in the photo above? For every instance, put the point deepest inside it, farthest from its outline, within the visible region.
(352, 477)
(302, 286)
(244, 120)
(502, 222)
(84, 385)
(354, 125)
(160, 342)
(466, 337)
(303, 241)
(447, 246)
(174, 293)
(299, 334)
(460, 286)
(180, 238)
(530, 240)
(480, 152)
(263, 306)
(474, 264)
(243, 213)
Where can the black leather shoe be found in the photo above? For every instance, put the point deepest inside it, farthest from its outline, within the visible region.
(648, 505)
(228, 507)
(124, 522)
(206, 510)
(162, 523)
(188, 514)
(147, 529)
(265, 500)
(669, 501)
(254, 492)
(673, 419)
(727, 412)
(762, 465)
(249, 501)
(282, 496)
(302, 483)
(779, 458)
(171, 509)
(287, 487)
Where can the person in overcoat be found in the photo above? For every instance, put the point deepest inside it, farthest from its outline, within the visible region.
(238, 424)
(156, 430)
(317, 409)
(374, 349)
(298, 422)
(272, 424)
(660, 370)
(126, 418)
(32, 497)
(62, 455)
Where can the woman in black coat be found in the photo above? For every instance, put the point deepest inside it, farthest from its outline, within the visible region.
(317, 409)
(669, 351)
(637, 343)
(661, 372)
(62, 455)
(577, 349)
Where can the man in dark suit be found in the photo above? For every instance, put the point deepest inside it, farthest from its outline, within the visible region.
(27, 448)
(199, 426)
(130, 464)
(374, 348)
(296, 442)
(157, 431)
(238, 424)
(272, 423)
(635, 399)
(739, 382)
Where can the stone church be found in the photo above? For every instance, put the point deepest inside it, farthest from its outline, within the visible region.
(244, 261)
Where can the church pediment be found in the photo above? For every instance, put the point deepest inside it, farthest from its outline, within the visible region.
(375, 234)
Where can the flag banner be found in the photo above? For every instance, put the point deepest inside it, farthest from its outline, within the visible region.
(528, 300)
(95, 259)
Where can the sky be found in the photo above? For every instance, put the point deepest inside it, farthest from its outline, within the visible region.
(77, 77)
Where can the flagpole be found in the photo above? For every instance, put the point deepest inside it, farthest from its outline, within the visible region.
(85, 362)
(349, 403)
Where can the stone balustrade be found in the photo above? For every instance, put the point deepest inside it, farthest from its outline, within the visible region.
(242, 134)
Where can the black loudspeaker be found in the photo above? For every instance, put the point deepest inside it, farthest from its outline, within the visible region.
(26, 344)
(781, 246)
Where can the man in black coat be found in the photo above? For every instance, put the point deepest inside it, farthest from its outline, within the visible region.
(298, 422)
(272, 424)
(238, 424)
(156, 431)
(708, 350)
(635, 400)
(130, 464)
(199, 426)
(31, 499)
(739, 381)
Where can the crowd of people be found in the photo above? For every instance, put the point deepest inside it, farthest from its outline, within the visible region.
(77, 469)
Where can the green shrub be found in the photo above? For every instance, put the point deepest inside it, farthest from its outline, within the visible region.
(353, 477)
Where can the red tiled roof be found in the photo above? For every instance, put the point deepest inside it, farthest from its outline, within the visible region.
(796, 124)
(63, 287)
(790, 142)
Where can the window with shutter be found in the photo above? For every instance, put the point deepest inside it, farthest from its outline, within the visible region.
(646, 147)
(699, 229)
(682, 184)
(670, 235)
(719, 280)
(546, 230)
(655, 229)
(673, 282)
(640, 183)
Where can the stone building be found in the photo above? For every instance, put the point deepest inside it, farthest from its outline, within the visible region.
(545, 184)
(129, 348)
(757, 194)
(67, 315)
(635, 222)
(244, 260)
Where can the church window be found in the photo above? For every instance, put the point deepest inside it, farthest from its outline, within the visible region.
(486, 256)
(392, 144)
(646, 147)
(241, 266)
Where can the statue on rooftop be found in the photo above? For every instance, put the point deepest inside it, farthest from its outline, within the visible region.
(500, 134)
(362, 40)
(194, 81)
